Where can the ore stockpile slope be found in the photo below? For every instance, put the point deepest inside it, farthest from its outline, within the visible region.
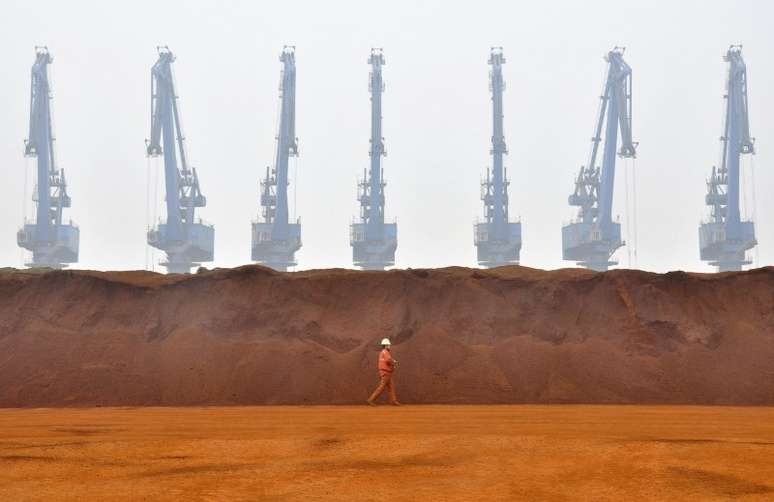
(511, 335)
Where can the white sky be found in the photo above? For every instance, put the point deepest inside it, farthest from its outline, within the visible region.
(436, 117)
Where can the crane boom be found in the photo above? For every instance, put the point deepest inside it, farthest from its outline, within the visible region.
(186, 241)
(497, 239)
(594, 237)
(53, 243)
(275, 239)
(375, 207)
(373, 241)
(725, 238)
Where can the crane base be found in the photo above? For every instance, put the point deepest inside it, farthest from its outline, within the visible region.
(373, 254)
(497, 253)
(585, 244)
(55, 253)
(275, 253)
(722, 252)
(182, 255)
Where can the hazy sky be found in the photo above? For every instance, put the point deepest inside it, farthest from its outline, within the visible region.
(436, 117)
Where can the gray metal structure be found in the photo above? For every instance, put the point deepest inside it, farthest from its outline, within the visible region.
(54, 244)
(592, 239)
(497, 239)
(373, 241)
(724, 239)
(274, 239)
(186, 241)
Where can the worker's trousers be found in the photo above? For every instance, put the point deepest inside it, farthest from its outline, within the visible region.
(385, 383)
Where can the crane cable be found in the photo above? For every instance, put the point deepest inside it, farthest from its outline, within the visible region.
(754, 207)
(147, 209)
(627, 213)
(744, 210)
(154, 205)
(295, 188)
(382, 189)
(273, 167)
(156, 217)
(744, 188)
(634, 204)
(24, 203)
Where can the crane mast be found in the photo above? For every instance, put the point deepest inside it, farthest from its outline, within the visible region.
(54, 244)
(724, 239)
(373, 241)
(497, 239)
(186, 241)
(274, 239)
(592, 239)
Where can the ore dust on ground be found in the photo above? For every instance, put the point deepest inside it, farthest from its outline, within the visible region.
(342, 453)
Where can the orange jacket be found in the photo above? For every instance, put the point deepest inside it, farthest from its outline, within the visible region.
(386, 362)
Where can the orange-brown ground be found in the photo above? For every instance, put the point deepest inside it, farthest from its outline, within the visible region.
(558, 452)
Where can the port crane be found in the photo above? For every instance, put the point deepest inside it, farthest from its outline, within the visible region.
(373, 241)
(592, 239)
(187, 241)
(725, 238)
(497, 239)
(275, 239)
(54, 243)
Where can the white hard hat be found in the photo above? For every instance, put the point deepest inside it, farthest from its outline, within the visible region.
(386, 341)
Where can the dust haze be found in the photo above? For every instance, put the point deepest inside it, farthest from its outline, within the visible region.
(436, 119)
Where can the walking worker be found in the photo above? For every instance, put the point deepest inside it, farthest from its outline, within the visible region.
(386, 367)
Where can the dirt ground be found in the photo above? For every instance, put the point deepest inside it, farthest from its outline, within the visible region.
(512, 335)
(409, 453)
